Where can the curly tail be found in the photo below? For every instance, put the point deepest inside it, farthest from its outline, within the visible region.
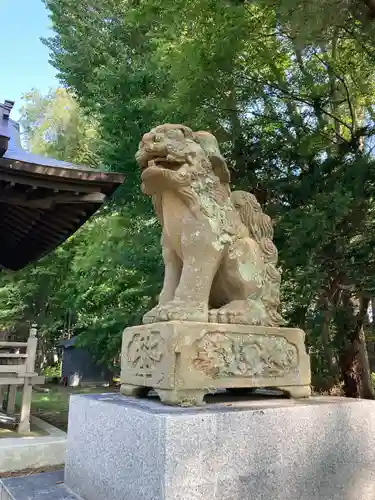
(260, 229)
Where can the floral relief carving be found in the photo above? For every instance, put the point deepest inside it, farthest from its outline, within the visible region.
(220, 355)
(145, 351)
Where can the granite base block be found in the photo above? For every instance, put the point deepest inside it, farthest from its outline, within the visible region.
(122, 448)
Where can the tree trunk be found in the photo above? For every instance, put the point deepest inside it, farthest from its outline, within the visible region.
(354, 363)
(326, 341)
(297, 318)
(370, 4)
(367, 389)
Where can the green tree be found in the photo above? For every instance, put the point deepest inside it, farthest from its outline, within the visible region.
(55, 125)
(295, 121)
(312, 21)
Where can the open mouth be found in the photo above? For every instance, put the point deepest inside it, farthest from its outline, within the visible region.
(152, 161)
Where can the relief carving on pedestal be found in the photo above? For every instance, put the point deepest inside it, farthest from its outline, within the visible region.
(145, 351)
(228, 355)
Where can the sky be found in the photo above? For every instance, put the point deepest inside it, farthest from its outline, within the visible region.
(24, 58)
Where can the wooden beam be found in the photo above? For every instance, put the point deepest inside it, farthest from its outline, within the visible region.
(48, 184)
(31, 189)
(35, 379)
(73, 210)
(13, 344)
(12, 355)
(51, 215)
(33, 236)
(59, 226)
(9, 227)
(21, 218)
(8, 185)
(18, 214)
(50, 201)
(13, 368)
(78, 198)
(12, 227)
(70, 212)
(14, 234)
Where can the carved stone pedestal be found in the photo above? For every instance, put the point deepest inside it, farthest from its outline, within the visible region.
(183, 361)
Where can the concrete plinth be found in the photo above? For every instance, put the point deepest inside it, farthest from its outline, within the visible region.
(32, 452)
(121, 448)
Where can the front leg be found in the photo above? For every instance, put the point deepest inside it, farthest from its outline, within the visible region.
(172, 272)
(172, 275)
(201, 258)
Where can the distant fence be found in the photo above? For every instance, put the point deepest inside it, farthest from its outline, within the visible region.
(17, 368)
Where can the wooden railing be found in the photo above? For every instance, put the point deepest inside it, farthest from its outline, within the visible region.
(18, 369)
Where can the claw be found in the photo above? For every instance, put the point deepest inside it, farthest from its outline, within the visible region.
(163, 315)
(212, 316)
(176, 310)
(240, 312)
(222, 317)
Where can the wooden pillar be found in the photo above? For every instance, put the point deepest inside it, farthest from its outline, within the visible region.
(2, 392)
(11, 403)
(24, 424)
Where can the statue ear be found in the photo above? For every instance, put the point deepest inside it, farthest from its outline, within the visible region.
(211, 147)
(219, 167)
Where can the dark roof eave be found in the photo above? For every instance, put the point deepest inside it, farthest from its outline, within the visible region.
(43, 201)
(17, 159)
(54, 172)
(66, 343)
(4, 140)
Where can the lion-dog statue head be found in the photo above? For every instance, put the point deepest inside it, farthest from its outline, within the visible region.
(173, 156)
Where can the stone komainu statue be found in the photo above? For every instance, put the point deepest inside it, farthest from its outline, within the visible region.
(220, 261)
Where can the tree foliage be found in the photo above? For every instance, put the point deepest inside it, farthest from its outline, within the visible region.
(55, 125)
(314, 21)
(294, 112)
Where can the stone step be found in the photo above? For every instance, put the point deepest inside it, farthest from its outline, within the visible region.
(7, 419)
(44, 486)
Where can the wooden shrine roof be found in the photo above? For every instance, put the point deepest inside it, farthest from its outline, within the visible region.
(43, 201)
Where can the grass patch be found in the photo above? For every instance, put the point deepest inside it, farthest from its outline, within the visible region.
(53, 406)
(12, 433)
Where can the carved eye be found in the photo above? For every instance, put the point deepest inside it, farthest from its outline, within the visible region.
(175, 134)
(158, 138)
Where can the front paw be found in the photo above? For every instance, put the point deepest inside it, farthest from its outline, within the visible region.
(176, 310)
(152, 316)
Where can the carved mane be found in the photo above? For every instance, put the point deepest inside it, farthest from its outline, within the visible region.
(261, 230)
